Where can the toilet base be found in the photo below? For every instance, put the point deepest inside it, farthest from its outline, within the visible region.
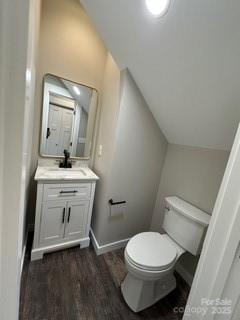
(141, 294)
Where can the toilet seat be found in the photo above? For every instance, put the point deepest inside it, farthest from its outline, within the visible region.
(151, 251)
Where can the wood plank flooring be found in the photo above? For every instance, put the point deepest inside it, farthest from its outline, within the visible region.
(78, 285)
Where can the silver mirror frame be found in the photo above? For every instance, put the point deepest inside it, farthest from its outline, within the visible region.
(44, 115)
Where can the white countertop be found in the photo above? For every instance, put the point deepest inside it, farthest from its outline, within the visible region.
(62, 174)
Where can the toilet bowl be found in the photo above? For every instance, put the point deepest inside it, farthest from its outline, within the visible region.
(150, 257)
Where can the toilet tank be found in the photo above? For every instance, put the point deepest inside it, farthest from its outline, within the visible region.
(185, 224)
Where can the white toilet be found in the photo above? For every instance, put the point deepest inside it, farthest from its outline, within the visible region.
(150, 257)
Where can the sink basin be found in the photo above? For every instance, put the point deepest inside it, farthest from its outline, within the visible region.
(54, 173)
(64, 169)
(68, 171)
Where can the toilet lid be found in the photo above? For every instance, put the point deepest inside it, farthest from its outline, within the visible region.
(151, 251)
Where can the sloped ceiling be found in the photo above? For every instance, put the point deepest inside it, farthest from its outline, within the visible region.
(187, 64)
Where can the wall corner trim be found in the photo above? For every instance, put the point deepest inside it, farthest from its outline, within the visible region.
(23, 253)
(186, 275)
(106, 247)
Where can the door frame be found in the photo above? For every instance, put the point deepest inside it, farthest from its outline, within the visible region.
(19, 22)
(221, 242)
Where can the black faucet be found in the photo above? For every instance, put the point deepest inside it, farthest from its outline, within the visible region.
(65, 163)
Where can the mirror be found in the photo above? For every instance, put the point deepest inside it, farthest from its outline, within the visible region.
(68, 118)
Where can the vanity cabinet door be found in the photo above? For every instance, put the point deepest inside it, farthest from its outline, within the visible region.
(53, 219)
(76, 219)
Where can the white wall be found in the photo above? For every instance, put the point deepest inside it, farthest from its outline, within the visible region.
(186, 64)
(2, 128)
(17, 54)
(195, 175)
(138, 153)
(110, 103)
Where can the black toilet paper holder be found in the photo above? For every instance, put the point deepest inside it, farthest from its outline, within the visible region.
(112, 203)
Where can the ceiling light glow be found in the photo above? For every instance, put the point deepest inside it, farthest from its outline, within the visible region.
(158, 7)
(76, 90)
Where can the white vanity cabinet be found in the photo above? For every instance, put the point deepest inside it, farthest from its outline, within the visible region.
(63, 210)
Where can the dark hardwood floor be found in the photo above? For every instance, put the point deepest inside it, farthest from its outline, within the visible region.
(78, 285)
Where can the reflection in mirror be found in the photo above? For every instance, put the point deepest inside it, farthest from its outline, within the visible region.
(69, 112)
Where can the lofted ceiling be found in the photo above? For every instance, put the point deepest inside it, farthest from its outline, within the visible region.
(187, 64)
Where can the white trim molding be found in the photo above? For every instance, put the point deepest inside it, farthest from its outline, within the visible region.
(37, 253)
(101, 249)
(23, 254)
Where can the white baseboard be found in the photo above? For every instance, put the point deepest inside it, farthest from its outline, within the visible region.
(187, 276)
(106, 247)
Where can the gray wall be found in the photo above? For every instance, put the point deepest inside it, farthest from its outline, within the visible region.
(195, 175)
(139, 149)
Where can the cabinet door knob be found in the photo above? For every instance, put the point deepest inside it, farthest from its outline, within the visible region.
(63, 216)
(69, 214)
